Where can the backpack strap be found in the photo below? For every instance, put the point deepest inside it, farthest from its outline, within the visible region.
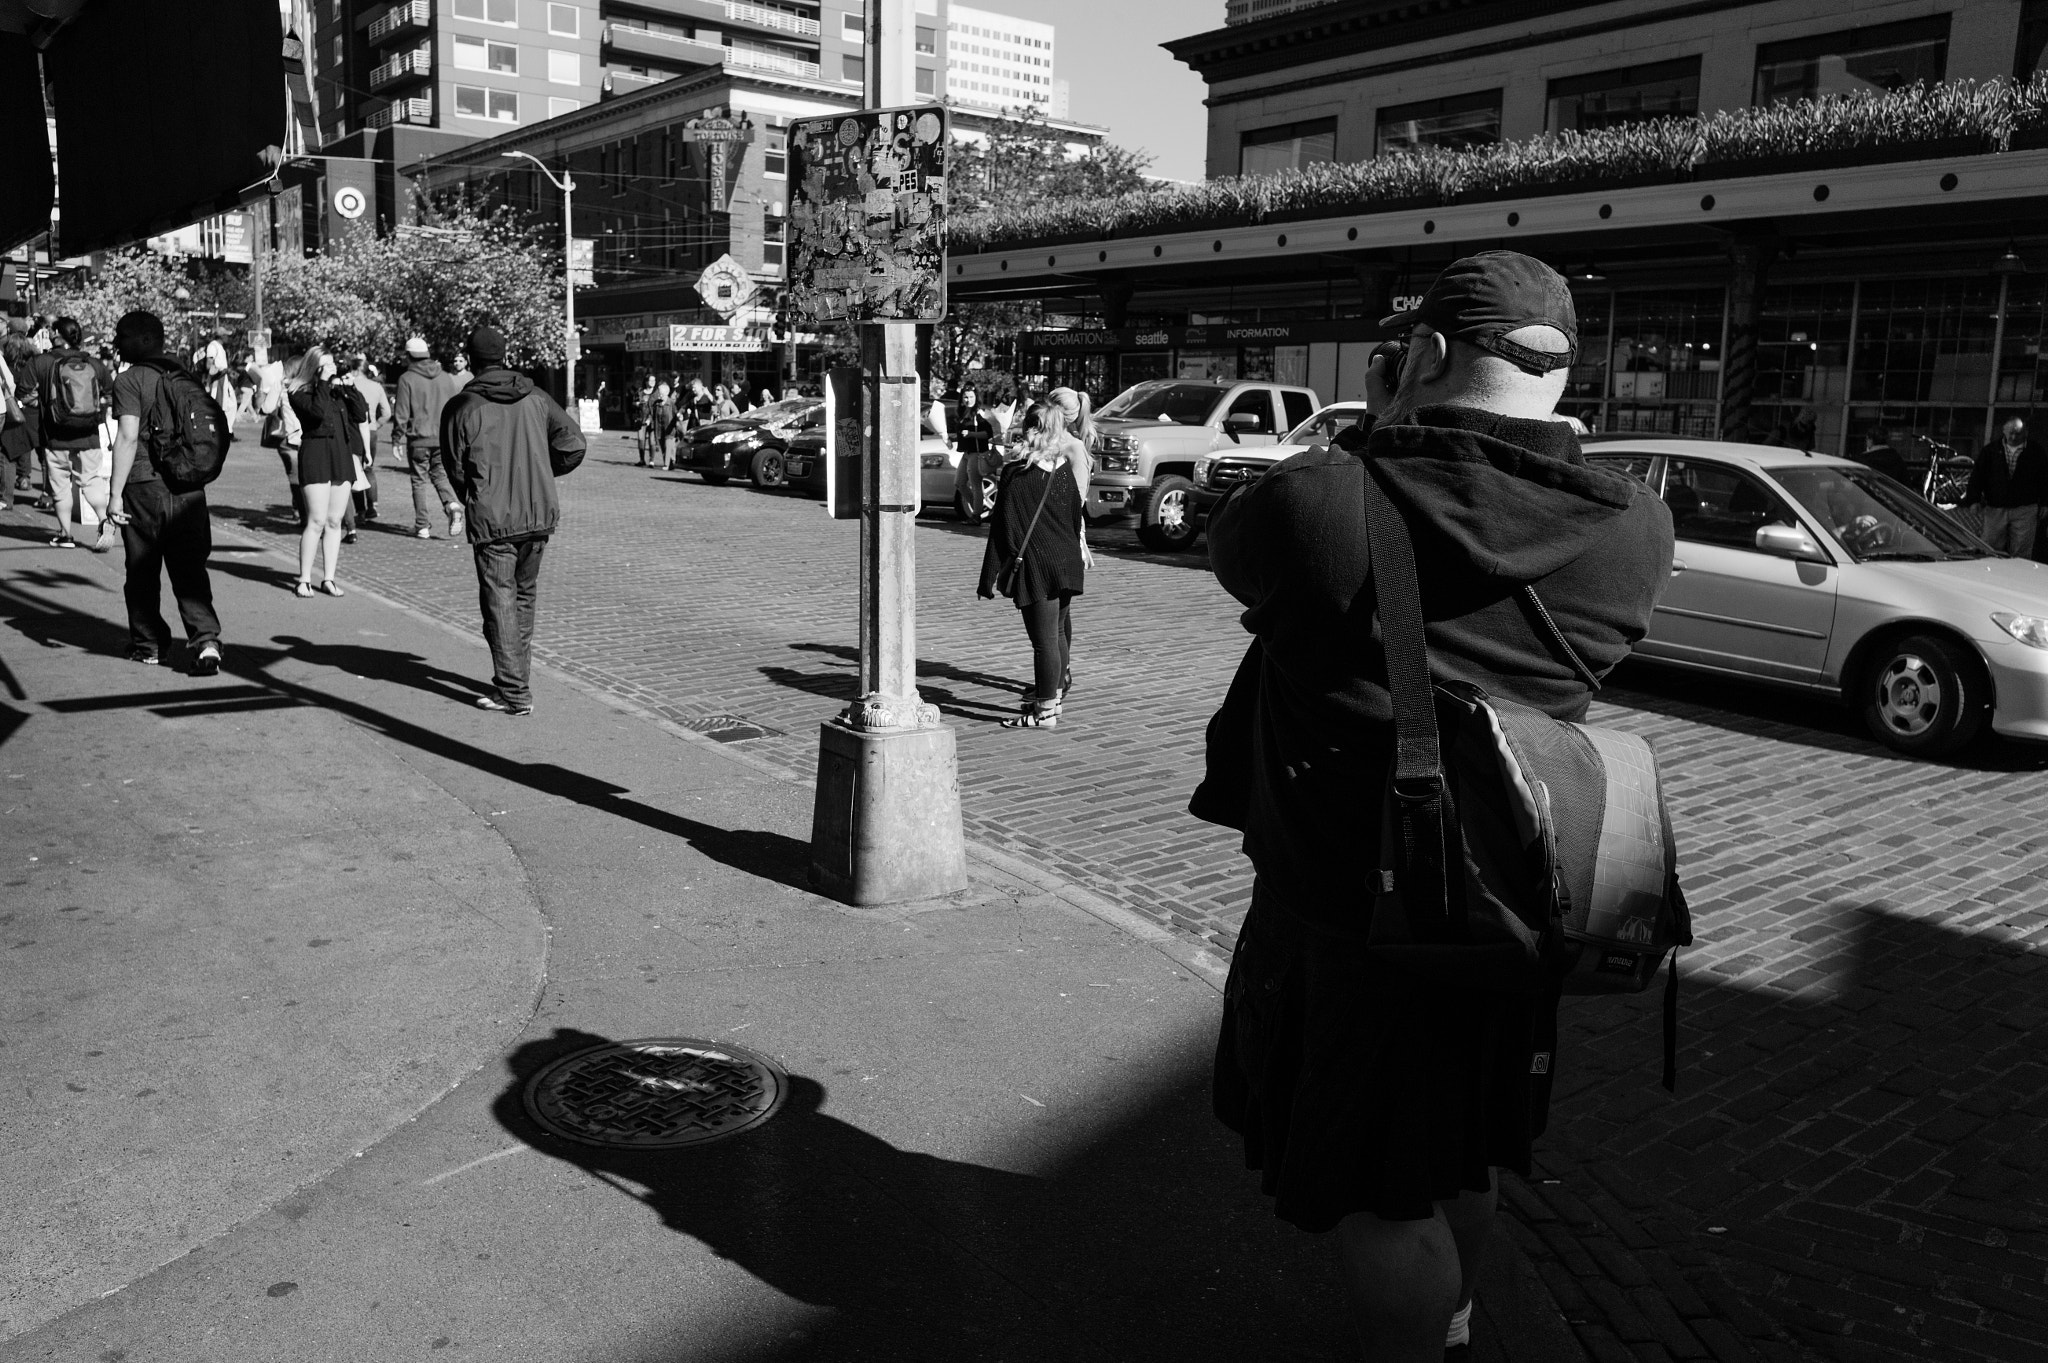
(1422, 802)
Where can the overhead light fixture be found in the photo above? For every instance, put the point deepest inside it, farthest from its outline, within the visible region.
(2010, 263)
(1589, 273)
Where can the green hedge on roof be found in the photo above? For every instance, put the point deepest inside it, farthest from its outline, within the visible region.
(1948, 118)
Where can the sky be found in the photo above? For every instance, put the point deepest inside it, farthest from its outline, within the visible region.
(1108, 53)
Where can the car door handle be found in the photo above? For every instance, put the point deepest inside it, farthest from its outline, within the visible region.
(1677, 566)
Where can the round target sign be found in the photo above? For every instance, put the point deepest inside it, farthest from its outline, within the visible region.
(349, 202)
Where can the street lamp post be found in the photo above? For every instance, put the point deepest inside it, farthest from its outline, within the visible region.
(574, 352)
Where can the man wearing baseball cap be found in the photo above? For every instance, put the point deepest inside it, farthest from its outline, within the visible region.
(423, 390)
(505, 442)
(1376, 1104)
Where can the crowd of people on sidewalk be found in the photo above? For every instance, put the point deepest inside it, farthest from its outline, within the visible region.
(114, 438)
(667, 410)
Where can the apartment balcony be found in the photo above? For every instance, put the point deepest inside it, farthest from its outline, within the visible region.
(621, 83)
(645, 47)
(408, 18)
(417, 64)
(735, 15)
(419, 109)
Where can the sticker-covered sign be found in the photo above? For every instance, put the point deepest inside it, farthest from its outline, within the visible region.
(867, 216)
(725, 285)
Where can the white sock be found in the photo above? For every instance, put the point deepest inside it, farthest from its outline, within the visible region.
(1461, 1327)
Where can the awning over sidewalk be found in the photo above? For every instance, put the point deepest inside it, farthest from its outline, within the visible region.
(164, 110)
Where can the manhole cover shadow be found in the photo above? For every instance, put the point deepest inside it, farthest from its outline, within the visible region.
(655, 1093)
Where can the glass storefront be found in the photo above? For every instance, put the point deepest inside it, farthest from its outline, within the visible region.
(1664, 362)
(1802, 365)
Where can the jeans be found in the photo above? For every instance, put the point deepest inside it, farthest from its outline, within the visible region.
(429, 480)
(2010, 529)
(508, 584)
(1050, 625)
(167, 531)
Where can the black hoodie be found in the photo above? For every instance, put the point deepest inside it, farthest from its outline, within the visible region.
(1493, 503)
(502, 443)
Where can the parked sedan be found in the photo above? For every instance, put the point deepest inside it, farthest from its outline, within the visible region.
(938, 466)
(1808, 571)
(751, 445)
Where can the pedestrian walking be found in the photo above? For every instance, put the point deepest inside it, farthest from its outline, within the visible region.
(722, 405)
(376, 426)
(326, 410)
(979, 443)
(423, 391)
(73, 393)
(2010, 484)
(662, 422)
(21, 438)
(507, 442)
(643, 413)
(163, 532)
(697, 403)
(210, 366)
(1379, 1104)
(1034, 557)
(14, 439)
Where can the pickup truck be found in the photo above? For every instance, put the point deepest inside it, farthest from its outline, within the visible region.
(1149, 438)
(1217, 475)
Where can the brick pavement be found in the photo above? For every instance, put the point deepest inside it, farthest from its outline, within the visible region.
(1853, 1166)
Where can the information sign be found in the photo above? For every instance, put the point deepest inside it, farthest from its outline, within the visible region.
(867, 216)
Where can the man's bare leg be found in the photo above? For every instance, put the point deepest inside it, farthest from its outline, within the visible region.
(1406, 1278)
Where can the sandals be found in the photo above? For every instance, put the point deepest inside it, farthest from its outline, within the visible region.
(331, 589)
(302, 589)
(1035, 716)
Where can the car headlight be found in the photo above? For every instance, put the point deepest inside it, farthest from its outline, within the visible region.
(1118, 463)
(733, 437)
(1115, 444)
(2031, 630)
(1202, 472)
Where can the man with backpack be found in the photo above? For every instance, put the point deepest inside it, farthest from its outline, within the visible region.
(167, 447)
(1379, 1078)
(506, 442)
(423, 390)
(73, 391)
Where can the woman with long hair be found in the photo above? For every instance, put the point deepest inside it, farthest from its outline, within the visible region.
(722, 405)
(325, 465)
(1077, 416)
(1034, 557)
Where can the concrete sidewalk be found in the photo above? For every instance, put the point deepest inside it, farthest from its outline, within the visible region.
(998, 1144)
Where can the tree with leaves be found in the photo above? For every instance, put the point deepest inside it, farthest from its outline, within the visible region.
(1023, 158)
(123, 281)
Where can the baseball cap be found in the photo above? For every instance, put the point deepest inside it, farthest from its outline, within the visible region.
(417, 347)
(1483, 297)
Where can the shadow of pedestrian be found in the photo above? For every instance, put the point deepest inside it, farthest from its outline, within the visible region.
(42, 621)
(1145, 1243)
(385, 665)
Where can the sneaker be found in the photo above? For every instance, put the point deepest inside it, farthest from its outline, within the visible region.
(206, 663)
(348, 537)
(454, 522)
(63, 542)
(147, 657)
(497, 704)
(423, 533)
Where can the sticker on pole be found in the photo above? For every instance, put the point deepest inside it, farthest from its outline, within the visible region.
(867, 216)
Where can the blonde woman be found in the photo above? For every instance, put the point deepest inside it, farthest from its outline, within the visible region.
(325, 467)
(1034, 557)
(1077, 415)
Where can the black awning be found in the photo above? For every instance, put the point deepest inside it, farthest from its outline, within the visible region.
(164, 109)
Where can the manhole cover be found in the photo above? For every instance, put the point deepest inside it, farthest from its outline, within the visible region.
(655, 1093)
(728, 728)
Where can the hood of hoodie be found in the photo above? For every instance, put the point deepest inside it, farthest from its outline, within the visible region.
(426, 369)
(499, 385)
(1512, 499)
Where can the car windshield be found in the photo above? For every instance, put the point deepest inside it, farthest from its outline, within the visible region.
(776, 413)
(1876, 518)
(1178, 404)
(1326, 426)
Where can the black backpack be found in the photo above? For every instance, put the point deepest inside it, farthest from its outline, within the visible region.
(185, 430)
(1518, 851)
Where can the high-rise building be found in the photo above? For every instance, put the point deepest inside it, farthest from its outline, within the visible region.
(1251, 11)
(999, 61)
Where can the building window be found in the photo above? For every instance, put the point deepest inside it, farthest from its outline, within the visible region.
(566, 20)
(772, 237)
(927, 40)
(1881, 57)
(565, 68)
(2033, 39)
(1633, 94)
(853, 68)
(1287, 147)
(1458, 121)
(500, 106)
(481, 54)
(775, 154)
(557, 106)
(489, 11)
(926, 82)
(853, 28)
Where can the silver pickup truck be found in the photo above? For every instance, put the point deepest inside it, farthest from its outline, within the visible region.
(1148, 439)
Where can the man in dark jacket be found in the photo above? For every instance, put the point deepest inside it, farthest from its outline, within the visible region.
(423, 391)
(1376, 1104)
(505, 443)
(2010, 482)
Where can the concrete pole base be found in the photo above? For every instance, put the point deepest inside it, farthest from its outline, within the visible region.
(886, 824)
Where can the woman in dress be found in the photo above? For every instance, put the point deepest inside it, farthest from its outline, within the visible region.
(1034, 557)
(325, 465)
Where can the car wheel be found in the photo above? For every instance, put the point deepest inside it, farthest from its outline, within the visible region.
(767, 469)
(975, 499)
(716, 479)
(1168, 522)
(1924, 695)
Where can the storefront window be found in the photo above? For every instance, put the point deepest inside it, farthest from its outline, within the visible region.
(1630, 94)
(1287, 147)
(1206, 364)
(1922, 360)
(1802, 365)
(1666, 363)
(1878, 58)
(1454, 122)
(1587, 384)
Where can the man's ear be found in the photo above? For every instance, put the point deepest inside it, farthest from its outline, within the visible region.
(1433, 351)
